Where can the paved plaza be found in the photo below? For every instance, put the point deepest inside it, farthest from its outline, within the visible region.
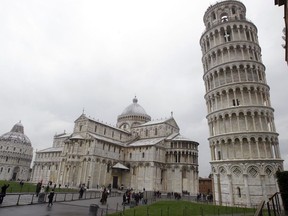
(71, 208)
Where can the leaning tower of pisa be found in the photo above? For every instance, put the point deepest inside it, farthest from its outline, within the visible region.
(243, 140)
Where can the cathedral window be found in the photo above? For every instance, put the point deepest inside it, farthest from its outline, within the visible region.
(103, 146)
(6, 158)
(143, 155)
(146, 132)
(80, 127)
(112, 133)
(130, 155)
(108, 168)
(1, 169)
(239, 191)
(95, 129)
(156, 131)
(8, 170)
(104, 131)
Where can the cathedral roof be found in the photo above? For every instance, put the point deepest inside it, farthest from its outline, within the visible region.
(178, 137)
(147, 142)
(16, 135)
(105, 139)
(134, 109)
(52, 149)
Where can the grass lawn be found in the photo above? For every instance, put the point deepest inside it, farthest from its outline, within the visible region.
(184, 208)
(28, 187)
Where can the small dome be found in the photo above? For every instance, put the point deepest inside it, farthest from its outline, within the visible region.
(134, 109)
(16, 135)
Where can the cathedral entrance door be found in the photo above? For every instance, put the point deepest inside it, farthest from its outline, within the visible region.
(115, 182)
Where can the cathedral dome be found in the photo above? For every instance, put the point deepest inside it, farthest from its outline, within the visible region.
(132, 116)
(134, 109)
(16, 135)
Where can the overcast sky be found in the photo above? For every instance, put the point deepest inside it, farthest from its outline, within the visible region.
(60, 56)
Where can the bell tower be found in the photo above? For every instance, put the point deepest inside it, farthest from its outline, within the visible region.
(242, 135)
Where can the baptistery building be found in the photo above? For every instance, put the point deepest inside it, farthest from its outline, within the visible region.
(243, 139)
(15, 154)
(137, 153)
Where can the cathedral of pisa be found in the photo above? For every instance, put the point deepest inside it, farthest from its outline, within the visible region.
(243, 140)
(142, 153)
(137, 153)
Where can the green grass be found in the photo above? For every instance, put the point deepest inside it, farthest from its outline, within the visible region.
(29, 187)
(184, 208)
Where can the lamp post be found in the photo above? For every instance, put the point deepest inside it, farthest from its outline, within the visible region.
(88, 183)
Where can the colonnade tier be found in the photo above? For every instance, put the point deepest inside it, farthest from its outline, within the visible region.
(231, 53)
(16, 155)
(183, 166)
(250, 148)
(241, 122)
(238, 96)
(234, 30)
(235, 71)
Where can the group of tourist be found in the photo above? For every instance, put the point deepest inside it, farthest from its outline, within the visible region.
(42, 191)
(136, 196)
(203, 197)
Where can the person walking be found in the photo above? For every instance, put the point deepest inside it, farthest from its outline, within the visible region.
(50, 198)
(81, 191)
(3, 192)
(104, 197)
(38, 188)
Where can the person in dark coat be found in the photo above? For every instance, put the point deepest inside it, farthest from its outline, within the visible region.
(104, 197)
(81, 191)
(38, 188)
(3, 192)
(124, 199)
(50, 198)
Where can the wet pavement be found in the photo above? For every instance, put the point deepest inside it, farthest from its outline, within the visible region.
(71, 208)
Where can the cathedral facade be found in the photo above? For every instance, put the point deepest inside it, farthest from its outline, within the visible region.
(243, 140)
(136, 153)
(15, 154)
